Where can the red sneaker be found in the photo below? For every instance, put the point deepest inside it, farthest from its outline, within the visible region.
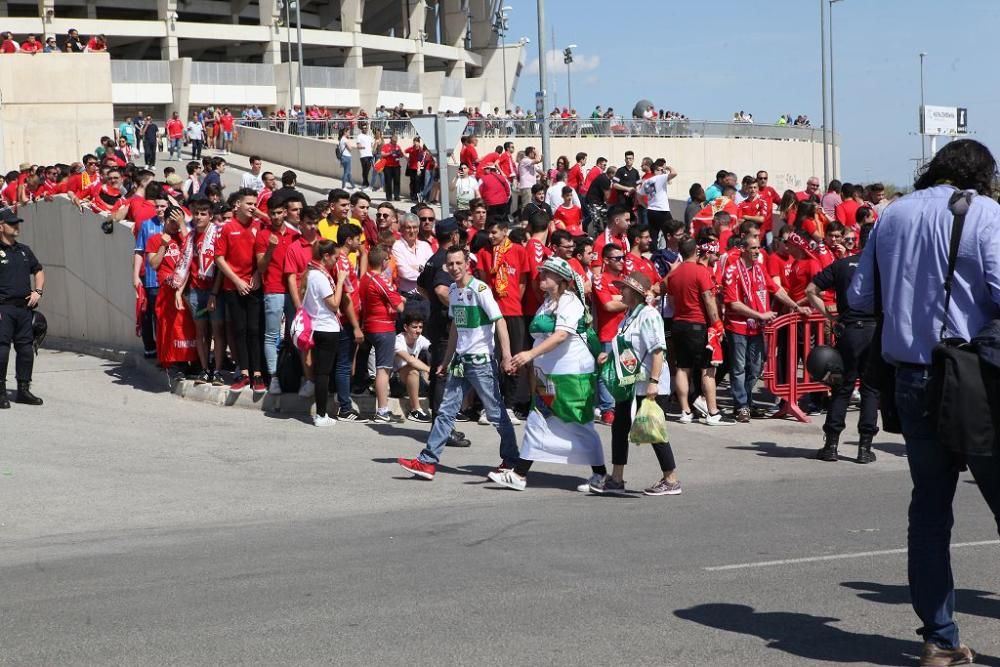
(258, 385)
(417, 467)
(608, 417)
(240, 384)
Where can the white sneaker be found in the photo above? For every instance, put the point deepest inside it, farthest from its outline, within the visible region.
(855, 396)
(274, 387)
(325, 420)
(716, 420)
(513, 418)
(509, 479)
(593, 479)
(483, 419)
(701, 406)
(685, 418)
(307, 390)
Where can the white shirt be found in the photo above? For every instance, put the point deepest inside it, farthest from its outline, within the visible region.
(254, 182)
(465, 191)
(655, 189)
(553, 196)
(527, 173)
(644, 330)
(422, 345)
(318, 287)
(473, 311)
(195, 131)
(364, 142)
(410, 262)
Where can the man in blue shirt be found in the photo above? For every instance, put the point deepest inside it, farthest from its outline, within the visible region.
(910, 245)
(144, 275)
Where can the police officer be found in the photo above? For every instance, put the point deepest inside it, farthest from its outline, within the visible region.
(854, 337)
(17, 299)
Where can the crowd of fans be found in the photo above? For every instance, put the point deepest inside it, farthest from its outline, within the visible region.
(70, 43)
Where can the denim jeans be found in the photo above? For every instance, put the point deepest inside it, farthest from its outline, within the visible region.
(482, 378)
(274, 308)
(748, 360)
(605, 401)
(175, 147)
(342, 372)
(934, 471)
(425, 194)
(346, 178)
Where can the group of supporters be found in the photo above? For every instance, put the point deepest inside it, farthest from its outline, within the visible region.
(264, 292)
(71, 43)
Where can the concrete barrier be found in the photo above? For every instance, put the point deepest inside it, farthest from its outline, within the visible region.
(314, 156)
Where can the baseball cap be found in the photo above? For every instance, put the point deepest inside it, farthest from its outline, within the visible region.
(446, 226)
(8, 216)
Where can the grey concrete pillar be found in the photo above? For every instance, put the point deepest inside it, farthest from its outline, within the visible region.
(166, 11)
(269, 15)
(352, 13)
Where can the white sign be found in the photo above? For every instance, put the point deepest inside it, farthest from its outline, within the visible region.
(426, 127)
(946, 121)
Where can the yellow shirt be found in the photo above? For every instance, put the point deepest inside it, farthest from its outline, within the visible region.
(328, 230)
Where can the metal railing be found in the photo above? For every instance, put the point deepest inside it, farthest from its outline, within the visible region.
(140, 71)
(501, 128)
(232, 74)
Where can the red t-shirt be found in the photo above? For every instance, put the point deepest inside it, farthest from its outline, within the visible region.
(846, 213)
(93, 45)
(104, 198)
(28, 47)
(515, 266)
(469, 157)
(685, 285)
(379, 300)
(594, 172)
(413, 157)
(570, 218)
(733, 290)
(227, 121)
(9, 193)
(273, 279)
(235, 244)
(8, 47)
(578, 267)
(170, 259)
(352, 286)
(607, 323)
(771, 199)
(604, 239)
(779, 267)
(297, 257)
(140, 210)
(753, 207)
(198, 259)
(799, 277)
(391, 154)
(574, 178)
(175, 128)
(634, 262)
(536, 253)
(494, 189)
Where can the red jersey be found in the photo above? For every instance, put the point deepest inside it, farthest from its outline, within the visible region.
(170, 259)
(604, 291)
(574, 178)
(469, 157)
(535, 253)
(755, 207)
(175, 128)
(685, 286)
(779, 267)
(227, 122)
(391, 154)
(379, 300)
(771, 199)
(504, 276)
(604, 239)
(104, 198)
(8, 47)
(570, 218)
(414, 157)
(488, 160)
(31, 47)
(634, 262)
(201, 260)
(351, 286)
(273, 278)
(799, 277)
(235, 244)
(505, 163)
(578, 267)
(297, 257)
(494, 189)
(753, 292)
(94, 45)
(9, 193)
(594, 172)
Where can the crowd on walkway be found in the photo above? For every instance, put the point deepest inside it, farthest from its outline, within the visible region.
(70, 43)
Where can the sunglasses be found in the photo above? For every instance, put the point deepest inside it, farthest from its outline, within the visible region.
(427, 219)
(617, 258)
(382, 216)
(762, 178)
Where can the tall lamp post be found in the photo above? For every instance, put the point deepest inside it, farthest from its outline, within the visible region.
(822, 57)
(500, 25)
(288, 44)
(833, 96)
(568, 59)
(923, 150)
(302, 89)
(540, 98)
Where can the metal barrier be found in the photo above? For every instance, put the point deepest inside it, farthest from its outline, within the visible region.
(807, 332)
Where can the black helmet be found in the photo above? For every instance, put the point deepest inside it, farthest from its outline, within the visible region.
(825, 365)
(39, 327)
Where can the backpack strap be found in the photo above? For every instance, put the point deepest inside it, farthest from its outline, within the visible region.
(959, 205)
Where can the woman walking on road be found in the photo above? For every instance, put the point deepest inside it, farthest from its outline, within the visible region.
(560, 427)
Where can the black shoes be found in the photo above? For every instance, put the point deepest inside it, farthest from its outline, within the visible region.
(829, 451)
(25, 396)
(4, 401)
(865, 453)
(457, 439)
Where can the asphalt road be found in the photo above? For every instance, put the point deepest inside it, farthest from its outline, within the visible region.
(140, 529)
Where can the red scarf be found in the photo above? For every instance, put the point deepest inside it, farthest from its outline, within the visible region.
(755, 299)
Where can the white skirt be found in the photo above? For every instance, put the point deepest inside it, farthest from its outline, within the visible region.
(554, 441)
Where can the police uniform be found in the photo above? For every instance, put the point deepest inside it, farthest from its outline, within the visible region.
(855, 331)
(17, 266)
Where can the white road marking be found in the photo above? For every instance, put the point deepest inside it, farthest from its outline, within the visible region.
(817, 559)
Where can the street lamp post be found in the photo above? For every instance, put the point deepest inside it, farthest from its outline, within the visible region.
(822, 57)
(833, 97)
(540, 102)
(288, 44)
(500, 25)
(302, 89)
(568, 59)
(923, 150)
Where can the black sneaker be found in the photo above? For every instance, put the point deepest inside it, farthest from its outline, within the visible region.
(521, 414)
(217, 379)
(385, 418)
(419, 416)
(203, 378)
(351, 415)
(454, 441)
(467, 416)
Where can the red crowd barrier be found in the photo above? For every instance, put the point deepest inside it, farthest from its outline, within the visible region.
(811, 331)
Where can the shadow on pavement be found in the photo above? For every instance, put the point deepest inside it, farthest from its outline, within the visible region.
(399, 431)
(967, 601)
(775, 450)
(124, 375)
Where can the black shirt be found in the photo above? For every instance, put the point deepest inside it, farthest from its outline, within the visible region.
(433, 276)
(628, 177)
(600, 185)
(17, 265)
(838, 277)
(150, 133)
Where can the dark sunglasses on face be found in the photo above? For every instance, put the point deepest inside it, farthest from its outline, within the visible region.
(427, 219)
(617, 258)
(382, 216)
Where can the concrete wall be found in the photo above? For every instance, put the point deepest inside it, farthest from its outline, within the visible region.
(54, 107)
(89, 297)
(315, 156)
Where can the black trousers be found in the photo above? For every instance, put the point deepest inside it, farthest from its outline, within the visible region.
(514, 391)
(623, 424)
(366, 168)
(416, 183)
(245, 312)
(16, 330)
(439, 346)
(391, 176)
(853, 344)
(149, 150)
(324, 355)
(657, 224)
(196, 149)
(149, 320)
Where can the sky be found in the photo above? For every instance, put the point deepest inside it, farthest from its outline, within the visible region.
(709, 59)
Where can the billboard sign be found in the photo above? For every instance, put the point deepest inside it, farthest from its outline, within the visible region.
(943, 121)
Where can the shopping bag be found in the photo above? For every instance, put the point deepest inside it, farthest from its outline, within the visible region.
(649, 425)
(379, 166)
(620, 371)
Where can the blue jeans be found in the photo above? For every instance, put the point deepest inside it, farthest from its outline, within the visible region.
(345, 360)
(484, 379)
(604, 399)
(345, 165)
(378, 180)
(747, 362)
(175, 147)
(425, 194)
(934, 471)
(274, 308)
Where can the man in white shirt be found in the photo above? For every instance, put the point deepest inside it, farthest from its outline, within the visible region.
(364, 143)
(410, 254)
(658, 203)
(553, 196)
(527, 175)
(410, 367)
(252, 180)
(195, 132)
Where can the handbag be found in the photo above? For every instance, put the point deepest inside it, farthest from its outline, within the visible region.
(879, 372)
(960, 387)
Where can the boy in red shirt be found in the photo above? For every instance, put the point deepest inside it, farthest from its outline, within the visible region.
(610, 312)
(616, 232)
(569, 216)
(206, 309)
(270, 247)
(227, 122)
(175, 132)
(380, 302)
(175, 331)
(234, 257)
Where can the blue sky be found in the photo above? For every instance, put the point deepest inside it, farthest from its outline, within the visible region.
(765, 59)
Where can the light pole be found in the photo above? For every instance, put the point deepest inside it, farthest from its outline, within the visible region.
(288, 44)
(833, 96)
(923, 151)
(500, 26)
(302, 89)
(568, 59)
(822, 57)
(540, 98)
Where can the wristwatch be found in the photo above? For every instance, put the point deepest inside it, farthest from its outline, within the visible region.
(653, 381)
(37, 291)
